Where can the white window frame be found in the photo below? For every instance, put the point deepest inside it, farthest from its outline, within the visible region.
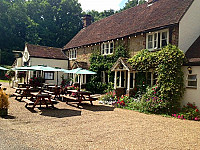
(72, 54)
(106, 47)
(194, 80)
(155, 39)
(103, 77)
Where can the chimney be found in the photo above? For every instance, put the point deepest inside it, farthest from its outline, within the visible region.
(87, 20)
(151, 1)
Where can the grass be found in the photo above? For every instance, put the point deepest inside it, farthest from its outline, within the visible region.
(4, 80)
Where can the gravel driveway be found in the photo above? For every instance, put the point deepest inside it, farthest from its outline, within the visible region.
(97, 127)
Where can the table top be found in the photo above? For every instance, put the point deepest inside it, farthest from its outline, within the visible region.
(40, 94)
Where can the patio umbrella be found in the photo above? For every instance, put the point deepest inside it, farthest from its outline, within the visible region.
(2, 68)
(84, 71)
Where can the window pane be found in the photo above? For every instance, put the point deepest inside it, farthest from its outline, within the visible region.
(107, 48)
(192, 83)
(118, 76)
(158, 40)
(111, 48)
(106, 77)
(192, 77)
(122, 79)
(131, 80)
(150, 41)
(75, 53)
(155, 40)
(164, 39)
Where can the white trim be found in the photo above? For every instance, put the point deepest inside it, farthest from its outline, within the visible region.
(153, 39)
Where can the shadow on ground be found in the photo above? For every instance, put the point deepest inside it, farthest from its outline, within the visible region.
(8, 117)
(59, 113)
(87, 106)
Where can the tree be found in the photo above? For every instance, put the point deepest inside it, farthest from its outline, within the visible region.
(132, 3)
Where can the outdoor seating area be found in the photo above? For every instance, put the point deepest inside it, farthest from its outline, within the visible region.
(51, 94)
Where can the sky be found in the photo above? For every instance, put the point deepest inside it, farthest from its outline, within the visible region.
(101, 5)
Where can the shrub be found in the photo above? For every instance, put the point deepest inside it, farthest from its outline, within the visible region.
(109, 97)
(190, 112)
(3, 100)
(36, 81)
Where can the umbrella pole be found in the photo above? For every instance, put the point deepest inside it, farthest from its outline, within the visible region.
(57, 77)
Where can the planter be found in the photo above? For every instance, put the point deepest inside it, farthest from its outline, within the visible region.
(3, 112)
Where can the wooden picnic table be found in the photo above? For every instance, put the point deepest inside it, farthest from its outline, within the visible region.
(41, 98)
(80, 96)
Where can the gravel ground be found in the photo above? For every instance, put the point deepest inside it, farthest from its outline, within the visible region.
(97, 127)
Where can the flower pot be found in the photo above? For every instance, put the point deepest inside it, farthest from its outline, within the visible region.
(3, 112)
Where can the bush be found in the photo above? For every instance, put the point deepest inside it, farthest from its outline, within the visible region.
(109, 97)
(36, 81)
(190, 112)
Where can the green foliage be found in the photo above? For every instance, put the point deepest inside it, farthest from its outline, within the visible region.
(132, 3)
(36, 81)
(109, 97)
(96, 86)
(42, 22)
(99, 15)
(170, 86)
(100, 63)
(190, 112)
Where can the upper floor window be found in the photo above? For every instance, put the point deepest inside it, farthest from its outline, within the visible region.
(72, 54)
(107, 48)
(156, 40)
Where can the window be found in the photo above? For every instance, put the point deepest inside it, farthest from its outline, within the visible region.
(49, 75)
(192, 81)
(72, 54)
(107, 48)
(157, 40)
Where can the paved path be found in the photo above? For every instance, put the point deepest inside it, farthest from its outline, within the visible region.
(95, 127)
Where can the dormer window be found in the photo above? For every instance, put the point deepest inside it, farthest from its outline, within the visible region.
(157, 40)
(107, 48)
(72, 54)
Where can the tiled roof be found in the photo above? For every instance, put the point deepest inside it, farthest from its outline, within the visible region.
(193, 53)
(137, 19)
(45, 52)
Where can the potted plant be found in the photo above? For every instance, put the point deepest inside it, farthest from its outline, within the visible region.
(3, 103)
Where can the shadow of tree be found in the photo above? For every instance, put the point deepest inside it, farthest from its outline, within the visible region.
(59, 113)
(88, 106)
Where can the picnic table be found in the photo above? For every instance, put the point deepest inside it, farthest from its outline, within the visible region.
(79, 96)
(40, 98)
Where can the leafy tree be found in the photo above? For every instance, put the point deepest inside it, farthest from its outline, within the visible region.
(132, 3)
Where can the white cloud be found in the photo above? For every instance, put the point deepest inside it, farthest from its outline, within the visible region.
(100, 5)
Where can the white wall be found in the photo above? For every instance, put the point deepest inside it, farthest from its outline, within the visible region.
(191, 94)
(52, 63)
(189, 27)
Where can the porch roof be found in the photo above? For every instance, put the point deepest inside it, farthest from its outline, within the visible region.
(124, 62)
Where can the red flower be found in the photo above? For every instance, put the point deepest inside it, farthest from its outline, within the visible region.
(197, 110)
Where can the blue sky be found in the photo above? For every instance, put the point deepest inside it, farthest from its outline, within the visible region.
(100, 5)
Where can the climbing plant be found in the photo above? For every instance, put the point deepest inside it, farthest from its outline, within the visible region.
(170, 86)
(99, 63)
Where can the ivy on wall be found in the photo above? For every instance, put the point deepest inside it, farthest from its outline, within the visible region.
(170, 84)
(99, 63)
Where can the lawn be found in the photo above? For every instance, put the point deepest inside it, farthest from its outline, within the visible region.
(4, 80)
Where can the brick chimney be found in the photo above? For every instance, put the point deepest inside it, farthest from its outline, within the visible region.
(151, 1)
(87, 20)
